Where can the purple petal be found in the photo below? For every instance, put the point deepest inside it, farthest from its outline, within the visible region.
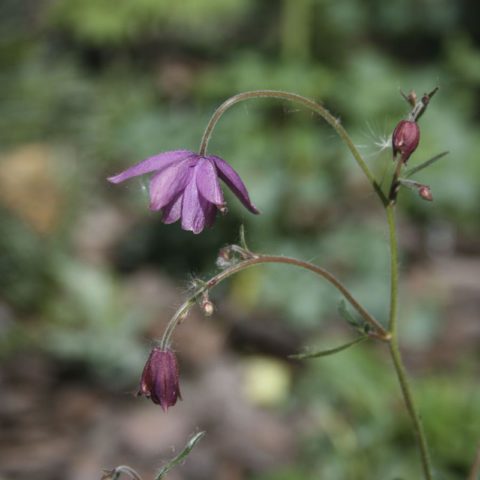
(234, 182)
(196, 213)
(209, 211)
(157, 162)
(168, 183)
(207, 182)
(173, 210)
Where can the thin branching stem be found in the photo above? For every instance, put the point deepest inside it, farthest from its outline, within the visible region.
(379, 331)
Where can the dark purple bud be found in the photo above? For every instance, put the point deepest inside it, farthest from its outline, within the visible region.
(160, 378)
(405, 139)
(425, 192)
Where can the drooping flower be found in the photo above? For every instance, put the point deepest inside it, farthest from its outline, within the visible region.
(186, 186)
(159, 380)
(405, 139)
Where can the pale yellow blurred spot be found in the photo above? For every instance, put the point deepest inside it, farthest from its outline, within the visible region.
(246, 288)
(266, 380)
(28, 186)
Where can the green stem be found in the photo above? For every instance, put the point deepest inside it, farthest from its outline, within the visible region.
(395, 350)
(394, 187)
(379, 332)
(306, 102)
(412, 410)
(392, 322)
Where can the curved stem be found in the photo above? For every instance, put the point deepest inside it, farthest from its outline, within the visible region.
(395, 350)
(306, 102)
(380, 331)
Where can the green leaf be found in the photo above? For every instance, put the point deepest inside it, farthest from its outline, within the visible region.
(346, 315)
(117, 472)
(412, 171)
(331, 351)
(180, 457)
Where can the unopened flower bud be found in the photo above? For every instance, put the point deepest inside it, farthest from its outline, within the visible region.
(159, 380)
(425, 192)
(206, 304)
(224, 259)
(405, 139)
(207, 307)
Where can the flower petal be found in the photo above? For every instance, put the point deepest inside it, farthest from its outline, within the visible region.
(234, 182)
(194, 208)
(207, 182)
(209, 211)
(173, 210)
(168, 183)
(157, 162)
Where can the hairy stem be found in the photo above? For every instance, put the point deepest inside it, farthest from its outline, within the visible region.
(392, 318)
(306, 102)
(395, 186)
(379, 330)
(411, 408)
(395, 350)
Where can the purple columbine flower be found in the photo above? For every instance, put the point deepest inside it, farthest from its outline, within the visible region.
(160, 378)
(185, 186)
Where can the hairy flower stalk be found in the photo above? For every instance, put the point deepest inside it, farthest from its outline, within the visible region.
(305, 102)
(378, 331)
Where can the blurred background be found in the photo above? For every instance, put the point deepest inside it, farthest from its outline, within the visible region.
(89, 277)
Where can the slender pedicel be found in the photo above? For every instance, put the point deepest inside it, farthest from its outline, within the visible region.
(379, 331)
(306, 102)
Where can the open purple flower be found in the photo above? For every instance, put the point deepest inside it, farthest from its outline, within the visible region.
(185, 186)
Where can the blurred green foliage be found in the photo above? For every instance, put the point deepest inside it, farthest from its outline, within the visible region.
(110, 83)
(110, 22)
(354, 413)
